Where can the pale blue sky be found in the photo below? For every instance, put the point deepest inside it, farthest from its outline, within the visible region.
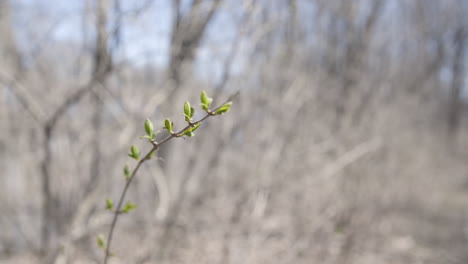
(145, 37)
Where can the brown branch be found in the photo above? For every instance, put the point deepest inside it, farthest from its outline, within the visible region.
(147, 156)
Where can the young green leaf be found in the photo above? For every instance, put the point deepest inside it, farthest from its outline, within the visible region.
(168, 125)
(100, 241)
(224, 108)
(149, 128)
(134, 152)
(126, 171)
(109, 204)
(192, 112)
(187, 109)
(128, 207)
(188, 133)
(205, 101)
(195, 127)
(204, 97)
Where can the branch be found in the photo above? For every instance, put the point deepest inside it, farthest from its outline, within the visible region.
(20, 92)
(351, 157)
(156, 145)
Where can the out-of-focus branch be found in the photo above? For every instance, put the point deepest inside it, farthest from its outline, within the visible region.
(235, 45)
(458, 69)
(350, 157)
(102, 67)
(32, 108)
(187, 32)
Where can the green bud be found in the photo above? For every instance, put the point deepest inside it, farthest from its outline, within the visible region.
(149, 128)
(205, 101)
(190, 130)
(126, 172)
(109, 204)
(128, 207)
(169, 125)
(187, 109)
(100, 241)
(134, 152)
(195, 127)
(224, 108)
(188, 133)
(204, 97)
(192, 112)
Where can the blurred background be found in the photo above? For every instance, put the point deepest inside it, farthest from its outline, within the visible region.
(347, 143)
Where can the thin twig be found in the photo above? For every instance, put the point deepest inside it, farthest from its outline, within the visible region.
(146, 157)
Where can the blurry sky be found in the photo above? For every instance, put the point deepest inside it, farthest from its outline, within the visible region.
(145, 31)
